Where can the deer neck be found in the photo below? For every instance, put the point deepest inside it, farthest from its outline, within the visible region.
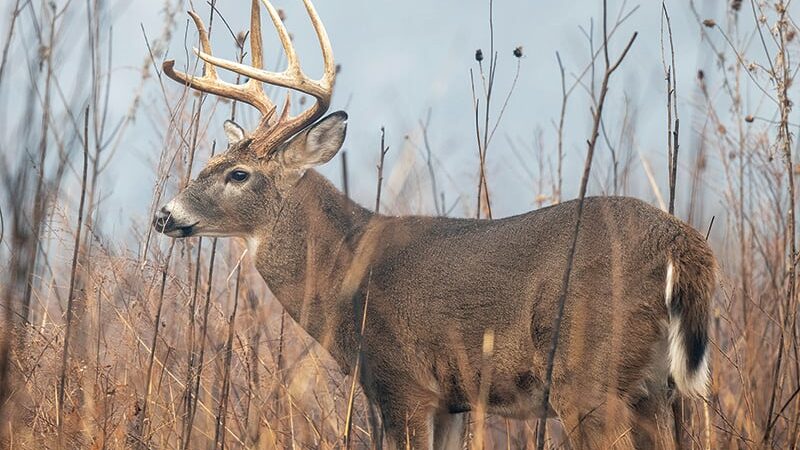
(304, 256)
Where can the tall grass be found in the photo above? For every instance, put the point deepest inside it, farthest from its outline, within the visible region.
(146, 342)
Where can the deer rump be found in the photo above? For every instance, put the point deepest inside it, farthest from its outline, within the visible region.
(635, 313)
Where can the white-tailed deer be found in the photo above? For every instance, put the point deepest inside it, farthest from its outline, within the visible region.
(635, 321)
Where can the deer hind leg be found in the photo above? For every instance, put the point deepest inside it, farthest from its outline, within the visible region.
(602, 421)
(653, 419)
(448, 431)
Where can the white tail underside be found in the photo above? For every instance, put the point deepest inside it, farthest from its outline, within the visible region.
(689, 382)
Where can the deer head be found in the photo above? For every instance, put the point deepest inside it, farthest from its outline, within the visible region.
(242, 188)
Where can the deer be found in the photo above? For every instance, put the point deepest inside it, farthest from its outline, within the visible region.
(434, 291)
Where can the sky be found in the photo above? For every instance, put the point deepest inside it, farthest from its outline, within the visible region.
(401, 61)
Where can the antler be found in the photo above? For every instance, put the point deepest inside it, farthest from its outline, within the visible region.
(267, 135)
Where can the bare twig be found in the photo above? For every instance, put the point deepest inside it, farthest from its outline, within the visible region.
(359, 355)
(485, 132)
(357, 369)
(39, 197)
(598, 112)
(561, 117)
(153, 344)
(672, 107)
(429, 162)
(219, 436)
(72, 279)
(14, 14)
(782, 79)
(384, 149)
(195, 388)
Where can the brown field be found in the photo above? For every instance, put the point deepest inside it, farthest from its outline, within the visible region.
(116, 337)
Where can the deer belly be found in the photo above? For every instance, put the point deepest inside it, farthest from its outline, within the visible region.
(517, 397)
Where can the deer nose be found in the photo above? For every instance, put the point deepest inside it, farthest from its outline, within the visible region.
(162, 219)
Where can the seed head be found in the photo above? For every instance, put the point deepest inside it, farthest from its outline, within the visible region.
(518, 52)
(479, 55)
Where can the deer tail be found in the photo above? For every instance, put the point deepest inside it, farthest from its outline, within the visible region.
(690, 283)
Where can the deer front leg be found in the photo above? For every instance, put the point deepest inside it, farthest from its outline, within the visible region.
(407, 407)
(408, 427)
(407, 415)
(448, 433)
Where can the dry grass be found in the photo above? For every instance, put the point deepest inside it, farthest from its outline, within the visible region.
(179, 344)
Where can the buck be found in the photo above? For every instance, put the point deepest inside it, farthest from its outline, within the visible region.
(634, 332)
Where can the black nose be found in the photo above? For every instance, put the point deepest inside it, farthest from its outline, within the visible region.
(162, 220)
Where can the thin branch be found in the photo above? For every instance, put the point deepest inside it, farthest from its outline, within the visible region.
(383, 151)
(673, 126)
(591, 143)
(9, 36)
(72, 280)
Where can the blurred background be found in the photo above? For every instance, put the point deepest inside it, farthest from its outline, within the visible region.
(117, 337)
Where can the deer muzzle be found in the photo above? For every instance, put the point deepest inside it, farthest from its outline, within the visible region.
(166, 222)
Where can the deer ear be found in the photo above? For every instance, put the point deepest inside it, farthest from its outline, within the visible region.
(318, 144)
(234, 132)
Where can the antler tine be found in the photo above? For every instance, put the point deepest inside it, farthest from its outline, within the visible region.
(208, 69)
(257, 60)
(329, 74)
(256, 43)
(286, 40)
(251, 92)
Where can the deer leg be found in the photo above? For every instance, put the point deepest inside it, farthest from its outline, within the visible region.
(376, 425)
(408, 427)
(448, 431)
(596, 421)
(653, 420)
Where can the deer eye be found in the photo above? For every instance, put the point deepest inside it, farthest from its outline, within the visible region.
(238, 176)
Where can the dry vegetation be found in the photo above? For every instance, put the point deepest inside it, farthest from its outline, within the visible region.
(141, 341)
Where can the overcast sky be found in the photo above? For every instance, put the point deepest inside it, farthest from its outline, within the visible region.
(401, 58)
